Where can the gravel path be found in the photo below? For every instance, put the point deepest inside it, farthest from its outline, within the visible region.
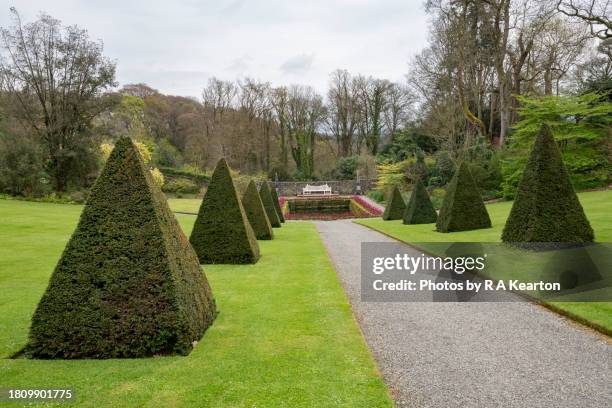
(472, 354)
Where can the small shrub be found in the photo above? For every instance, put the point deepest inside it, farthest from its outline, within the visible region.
(281, 172)
(346, 168)
(77, 197)
(181, 186)
(158, 177)
(376, 195)
(390, 175)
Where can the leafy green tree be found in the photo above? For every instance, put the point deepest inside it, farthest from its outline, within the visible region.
(57, 93)
(21, 166)
(165, 154)
(571, 118)
(406, 143)
(580, 125)
(346, 168)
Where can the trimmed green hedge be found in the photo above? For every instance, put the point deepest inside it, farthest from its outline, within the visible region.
(268, 202)
(395, 206)
(277, 207)
(222, 233)
(181, 186)
(256, 213)
(546, 208)
(462, 208)
(172, 172)
(419, 210)
(128, 283)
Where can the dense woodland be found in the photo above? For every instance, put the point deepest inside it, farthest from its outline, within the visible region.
(493, 70)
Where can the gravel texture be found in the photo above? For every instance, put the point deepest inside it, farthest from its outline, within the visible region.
(472, 354)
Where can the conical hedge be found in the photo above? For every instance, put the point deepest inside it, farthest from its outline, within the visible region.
(128, 283)
(462, 208)
(268, 203)
(419, 210)
(222, 233)
(395, 206)
(546, 208)
(256, 213)
(277, 206)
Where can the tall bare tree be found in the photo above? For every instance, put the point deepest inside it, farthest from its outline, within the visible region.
(342, 111)
(596, 13)
(54, 77)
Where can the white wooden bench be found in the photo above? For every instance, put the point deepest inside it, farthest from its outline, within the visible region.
(309, 190)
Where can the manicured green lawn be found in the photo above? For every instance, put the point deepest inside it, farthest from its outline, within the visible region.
(189, 205)
(285, 335)
(598, 208)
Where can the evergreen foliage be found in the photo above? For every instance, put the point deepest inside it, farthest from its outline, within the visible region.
(277, 206)
(253, 207)
(128, 283)
(462, 208)
(395, 206)
(222, 233)
(419, 210)
(546, 208)
(268, 203)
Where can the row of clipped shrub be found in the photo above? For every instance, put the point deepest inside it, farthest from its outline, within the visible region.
(546, 208)
(227, 227)
(128, 243)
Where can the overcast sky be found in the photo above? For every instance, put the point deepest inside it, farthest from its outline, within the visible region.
(175, 46)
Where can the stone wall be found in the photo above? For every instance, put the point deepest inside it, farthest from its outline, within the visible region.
(291, 188)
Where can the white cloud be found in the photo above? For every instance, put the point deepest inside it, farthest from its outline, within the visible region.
(298, 64)
(175, 47)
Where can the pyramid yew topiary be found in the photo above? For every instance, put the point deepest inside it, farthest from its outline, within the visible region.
(256, 213)
(546, 208)
(222, 233)
(128, 283)
(277, 206)
(419, 210)
(462, 208)
(395, 206)
(268, 203)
